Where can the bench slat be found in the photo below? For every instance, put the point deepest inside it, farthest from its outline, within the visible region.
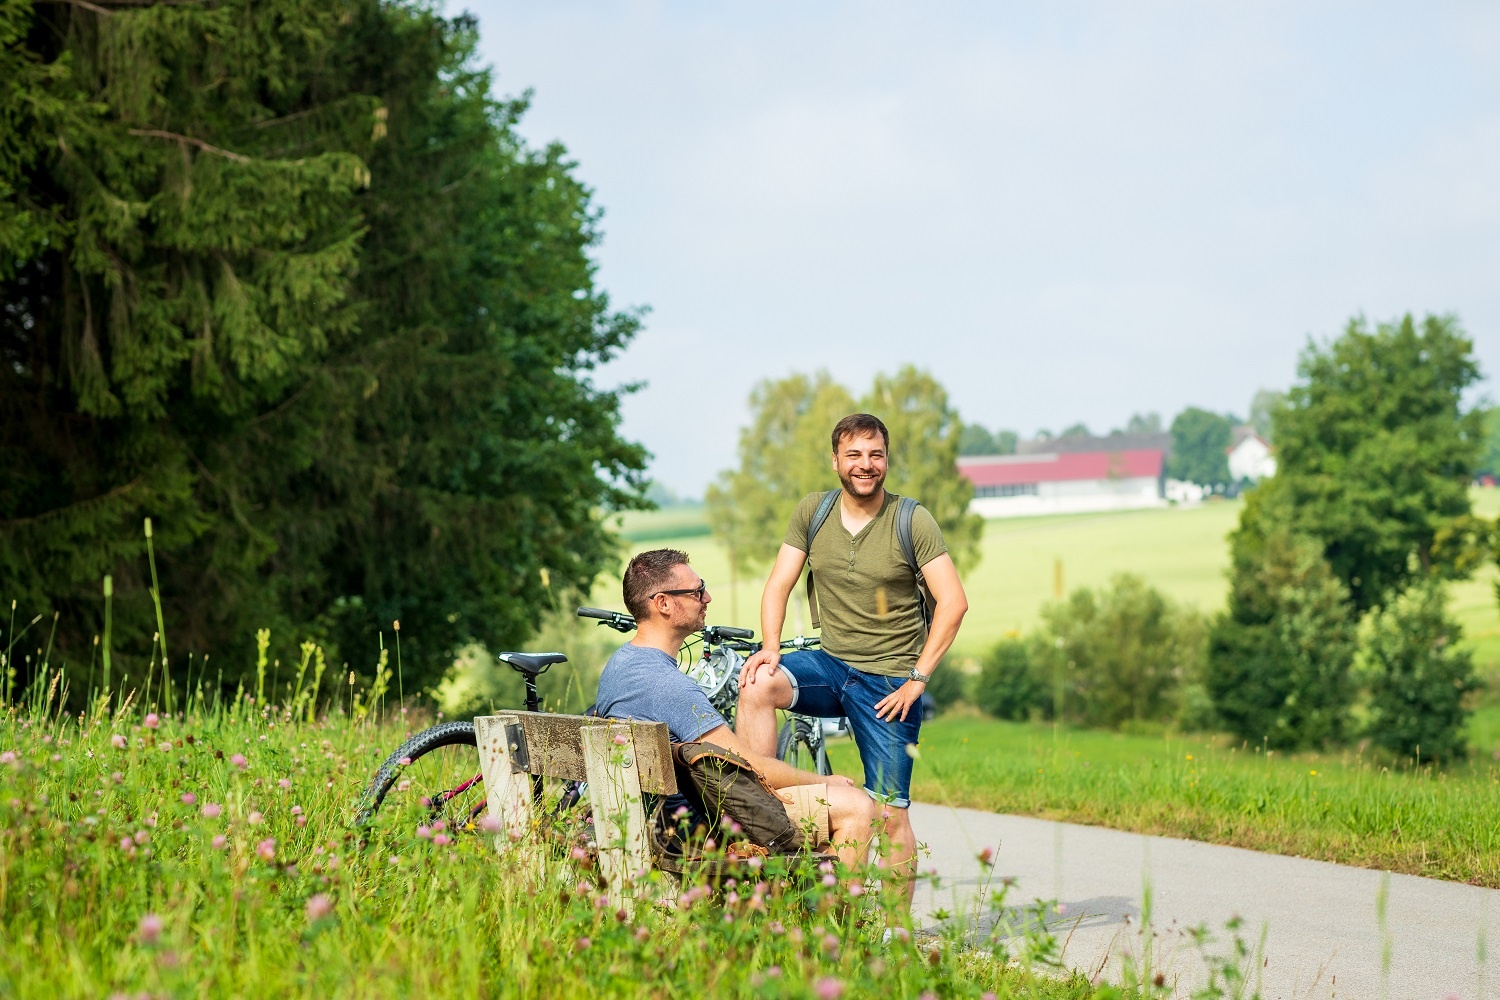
(554, 744)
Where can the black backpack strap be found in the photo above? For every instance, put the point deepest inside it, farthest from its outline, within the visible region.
(825, 507)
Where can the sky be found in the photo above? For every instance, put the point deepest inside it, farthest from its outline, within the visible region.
(1064, 212)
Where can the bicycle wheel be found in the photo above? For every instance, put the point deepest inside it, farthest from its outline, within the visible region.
(433, 776)
(799, 745)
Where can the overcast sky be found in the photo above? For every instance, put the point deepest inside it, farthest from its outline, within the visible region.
(1064, 211)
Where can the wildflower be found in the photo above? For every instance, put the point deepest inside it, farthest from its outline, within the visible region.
(579, 854)
(255, 818)
(220, 842)
(425, 832)
(404, 761)
(266, 849)
(8, 757)
(403, 785)
(152, 720)
(755, 862)
(732, 897)
(296, 810)
(127, 845)
(776, 927)
(830, 880)
(621, 739)
(828, 988)
(211, 810)
(318, 907)
(490, 824)
(583, 944)
(439, 826)
(600, 902)
(900, 934)
(987, 856)
(301, 821)
(149, 929)
(1062, 908)
(117, 778)
(856, 890)
(188, 798)
(830, 943)
(641, 934)
(142, 837)
(239, 761)
(442, 840)
(284, 783)
(774, 972)
(119, 741)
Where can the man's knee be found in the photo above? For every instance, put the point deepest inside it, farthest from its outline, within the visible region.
(852, 813)
(767, 692)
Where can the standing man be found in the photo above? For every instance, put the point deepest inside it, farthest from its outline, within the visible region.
(877, 652)
(642, 681)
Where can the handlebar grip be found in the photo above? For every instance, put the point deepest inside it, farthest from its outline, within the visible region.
(734, 633)
(602, 615)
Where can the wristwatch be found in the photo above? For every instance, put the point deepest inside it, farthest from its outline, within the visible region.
(913, 674)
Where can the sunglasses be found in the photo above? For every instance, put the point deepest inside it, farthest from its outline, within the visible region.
(698, 593)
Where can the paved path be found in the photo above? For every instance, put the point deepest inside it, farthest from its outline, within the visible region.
(1324, 937)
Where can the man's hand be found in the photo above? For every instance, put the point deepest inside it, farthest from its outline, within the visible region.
(768, 658)
(895, 705)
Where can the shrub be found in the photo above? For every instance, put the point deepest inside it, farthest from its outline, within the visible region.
(1124, 653)
(947, 684)
(1010, 685)
(1279, 659)
(1417, 676)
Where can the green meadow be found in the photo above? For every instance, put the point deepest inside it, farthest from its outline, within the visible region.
(1182, 552)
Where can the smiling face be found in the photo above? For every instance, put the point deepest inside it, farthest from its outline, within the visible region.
(861, 464)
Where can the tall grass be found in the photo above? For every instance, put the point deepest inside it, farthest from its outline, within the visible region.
(210, 853)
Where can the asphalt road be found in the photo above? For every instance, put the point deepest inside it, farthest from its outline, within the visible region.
(1324, 934)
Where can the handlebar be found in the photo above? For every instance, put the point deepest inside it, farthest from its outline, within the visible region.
(714, 634)
(616, 620)
(801, 642)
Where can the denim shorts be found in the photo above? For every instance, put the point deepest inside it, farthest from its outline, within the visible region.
(825, 686)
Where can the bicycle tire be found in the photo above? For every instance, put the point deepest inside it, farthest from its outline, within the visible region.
(449, 788)
(798, 746)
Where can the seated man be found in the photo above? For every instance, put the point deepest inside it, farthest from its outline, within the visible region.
(642, 681)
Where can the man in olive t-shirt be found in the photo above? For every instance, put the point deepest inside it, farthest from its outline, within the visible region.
(876, 654)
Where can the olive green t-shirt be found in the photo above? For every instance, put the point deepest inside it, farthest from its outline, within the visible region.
(867, 596)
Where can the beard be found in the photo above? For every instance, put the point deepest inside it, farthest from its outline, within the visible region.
(862, 488)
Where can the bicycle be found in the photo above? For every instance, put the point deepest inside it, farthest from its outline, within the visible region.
(448, 787)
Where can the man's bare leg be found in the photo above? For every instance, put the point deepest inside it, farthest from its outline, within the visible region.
(852, 823)
(901, 852)
(755, 716)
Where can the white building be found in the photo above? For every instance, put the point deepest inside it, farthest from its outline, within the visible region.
(1250, 457)
(1024, 485)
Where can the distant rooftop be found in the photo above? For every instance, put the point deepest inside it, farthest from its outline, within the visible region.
(1161, 441)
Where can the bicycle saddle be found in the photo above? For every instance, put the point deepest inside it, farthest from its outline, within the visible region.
(532, 663)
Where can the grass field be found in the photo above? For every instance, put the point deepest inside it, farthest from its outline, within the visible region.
(1332, 807)
(1182, 552)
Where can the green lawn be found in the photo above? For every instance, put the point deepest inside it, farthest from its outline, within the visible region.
(1333, 807)
(1182, 552)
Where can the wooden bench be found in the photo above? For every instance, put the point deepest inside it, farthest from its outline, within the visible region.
(619, 760)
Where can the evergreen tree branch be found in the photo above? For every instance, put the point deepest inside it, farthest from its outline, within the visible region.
(16, 522)
(156, 133)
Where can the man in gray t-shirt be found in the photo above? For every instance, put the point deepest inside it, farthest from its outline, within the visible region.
(642, 681)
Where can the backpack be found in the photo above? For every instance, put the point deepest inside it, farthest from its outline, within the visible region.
(730, 801)
(904, 511)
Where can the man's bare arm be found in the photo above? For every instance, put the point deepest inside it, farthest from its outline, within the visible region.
(951, 606)
(784, 575)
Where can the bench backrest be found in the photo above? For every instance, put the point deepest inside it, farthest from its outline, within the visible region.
(554, 748)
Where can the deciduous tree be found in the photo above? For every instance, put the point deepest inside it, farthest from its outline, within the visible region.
(1200, 442)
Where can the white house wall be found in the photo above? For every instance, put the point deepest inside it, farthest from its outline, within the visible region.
(1081, 496)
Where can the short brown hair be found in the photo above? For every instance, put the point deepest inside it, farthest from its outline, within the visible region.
(647, 574)
(858, 425)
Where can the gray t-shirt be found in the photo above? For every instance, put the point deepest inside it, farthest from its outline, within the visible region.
(646, 684)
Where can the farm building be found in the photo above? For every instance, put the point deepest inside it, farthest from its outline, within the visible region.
(1065, 483)
(1250, 457)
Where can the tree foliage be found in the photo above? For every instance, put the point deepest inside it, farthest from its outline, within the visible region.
(1489, 450)
(786, 454)
(283, 277)
(1279, 658)
(1200, 444)
(974, 439)
(1263, 407)
(1418, 676)
(1125, 653)
(1375, 451)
